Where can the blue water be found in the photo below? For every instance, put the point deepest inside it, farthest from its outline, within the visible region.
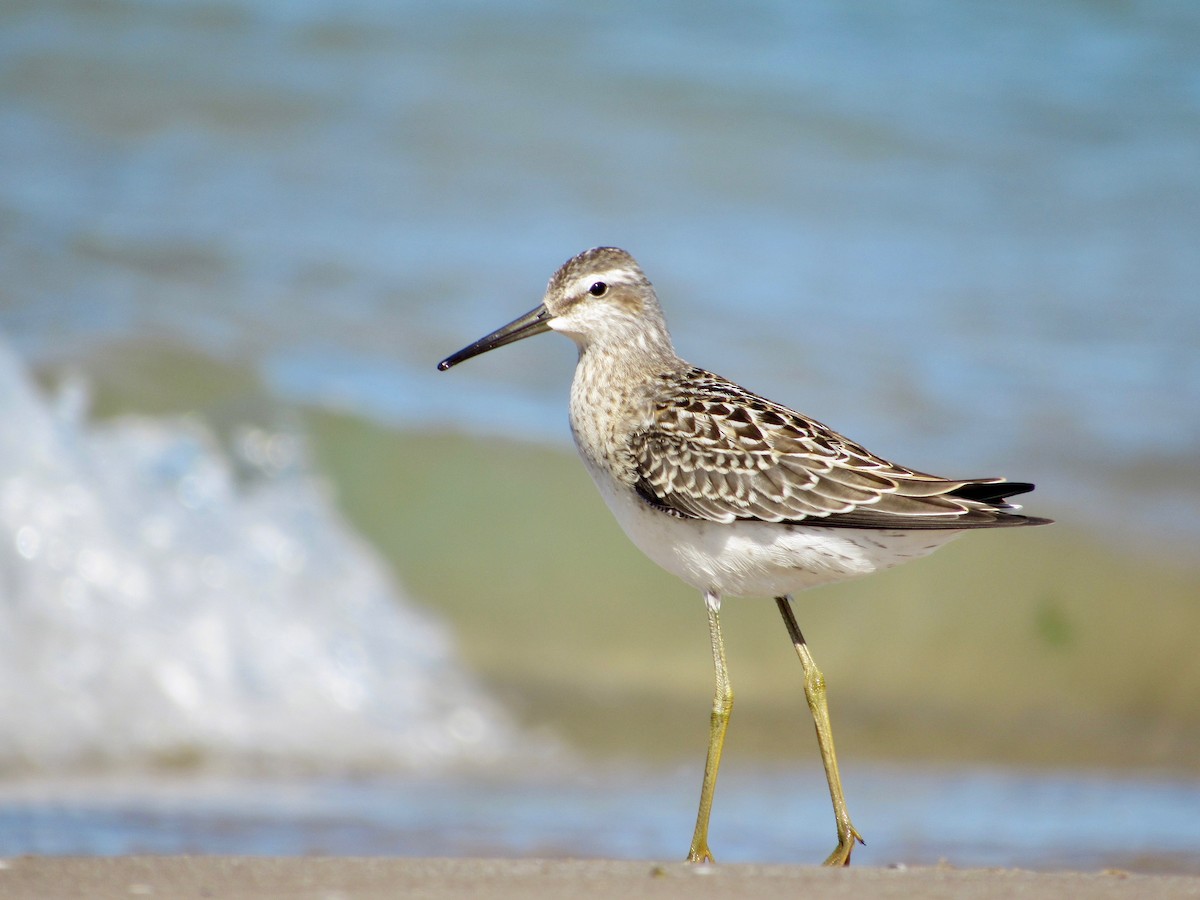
(908, 815)
(965, 234)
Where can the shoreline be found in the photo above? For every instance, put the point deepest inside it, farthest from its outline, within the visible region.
(237, 877)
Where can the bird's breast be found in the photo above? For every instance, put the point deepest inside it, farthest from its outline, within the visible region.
(603, 412)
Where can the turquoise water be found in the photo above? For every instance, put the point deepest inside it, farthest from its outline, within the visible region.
(964, 234)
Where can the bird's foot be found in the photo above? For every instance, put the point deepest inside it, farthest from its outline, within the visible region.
(847, 837)
(700, 854)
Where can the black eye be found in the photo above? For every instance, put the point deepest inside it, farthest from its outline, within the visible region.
(599, 289)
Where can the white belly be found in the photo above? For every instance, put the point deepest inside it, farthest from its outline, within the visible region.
(761, 558)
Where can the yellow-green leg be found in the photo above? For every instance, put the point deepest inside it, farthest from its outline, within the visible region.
(722, 704)
(814, 692)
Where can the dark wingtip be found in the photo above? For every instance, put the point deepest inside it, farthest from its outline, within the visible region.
(990, 492)
(995, 494)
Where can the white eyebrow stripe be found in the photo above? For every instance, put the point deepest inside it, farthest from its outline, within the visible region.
(608, 276)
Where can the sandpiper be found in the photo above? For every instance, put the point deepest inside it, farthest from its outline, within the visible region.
(731, 492)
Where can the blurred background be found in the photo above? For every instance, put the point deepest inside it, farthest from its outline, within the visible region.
(269, 583)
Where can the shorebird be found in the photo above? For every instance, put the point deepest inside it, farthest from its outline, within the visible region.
(733, 493)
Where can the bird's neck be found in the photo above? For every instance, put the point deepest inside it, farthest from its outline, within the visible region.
(627, 350)
(612, 392)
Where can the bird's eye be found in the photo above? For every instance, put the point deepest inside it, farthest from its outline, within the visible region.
(599, 289)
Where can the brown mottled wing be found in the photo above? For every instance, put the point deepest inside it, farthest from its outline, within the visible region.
(716, 451)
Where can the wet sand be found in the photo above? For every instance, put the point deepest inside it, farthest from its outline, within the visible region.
(348, 877)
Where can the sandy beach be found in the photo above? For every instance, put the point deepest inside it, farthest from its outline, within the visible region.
(347, 877)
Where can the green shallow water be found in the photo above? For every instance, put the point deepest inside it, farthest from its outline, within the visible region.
(1035, 646)
(1054, 645)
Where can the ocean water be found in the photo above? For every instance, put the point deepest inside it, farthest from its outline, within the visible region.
(909, 815)
(965, 235)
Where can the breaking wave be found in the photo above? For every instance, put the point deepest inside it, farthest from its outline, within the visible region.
(167, 602)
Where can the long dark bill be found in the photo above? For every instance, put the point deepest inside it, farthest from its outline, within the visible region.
(533, 322)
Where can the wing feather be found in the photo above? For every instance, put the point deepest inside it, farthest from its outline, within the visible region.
(715, 451)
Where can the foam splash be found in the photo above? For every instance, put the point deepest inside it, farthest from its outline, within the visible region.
(160, 605)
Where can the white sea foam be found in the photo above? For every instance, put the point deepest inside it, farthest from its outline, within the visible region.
(160, 605)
